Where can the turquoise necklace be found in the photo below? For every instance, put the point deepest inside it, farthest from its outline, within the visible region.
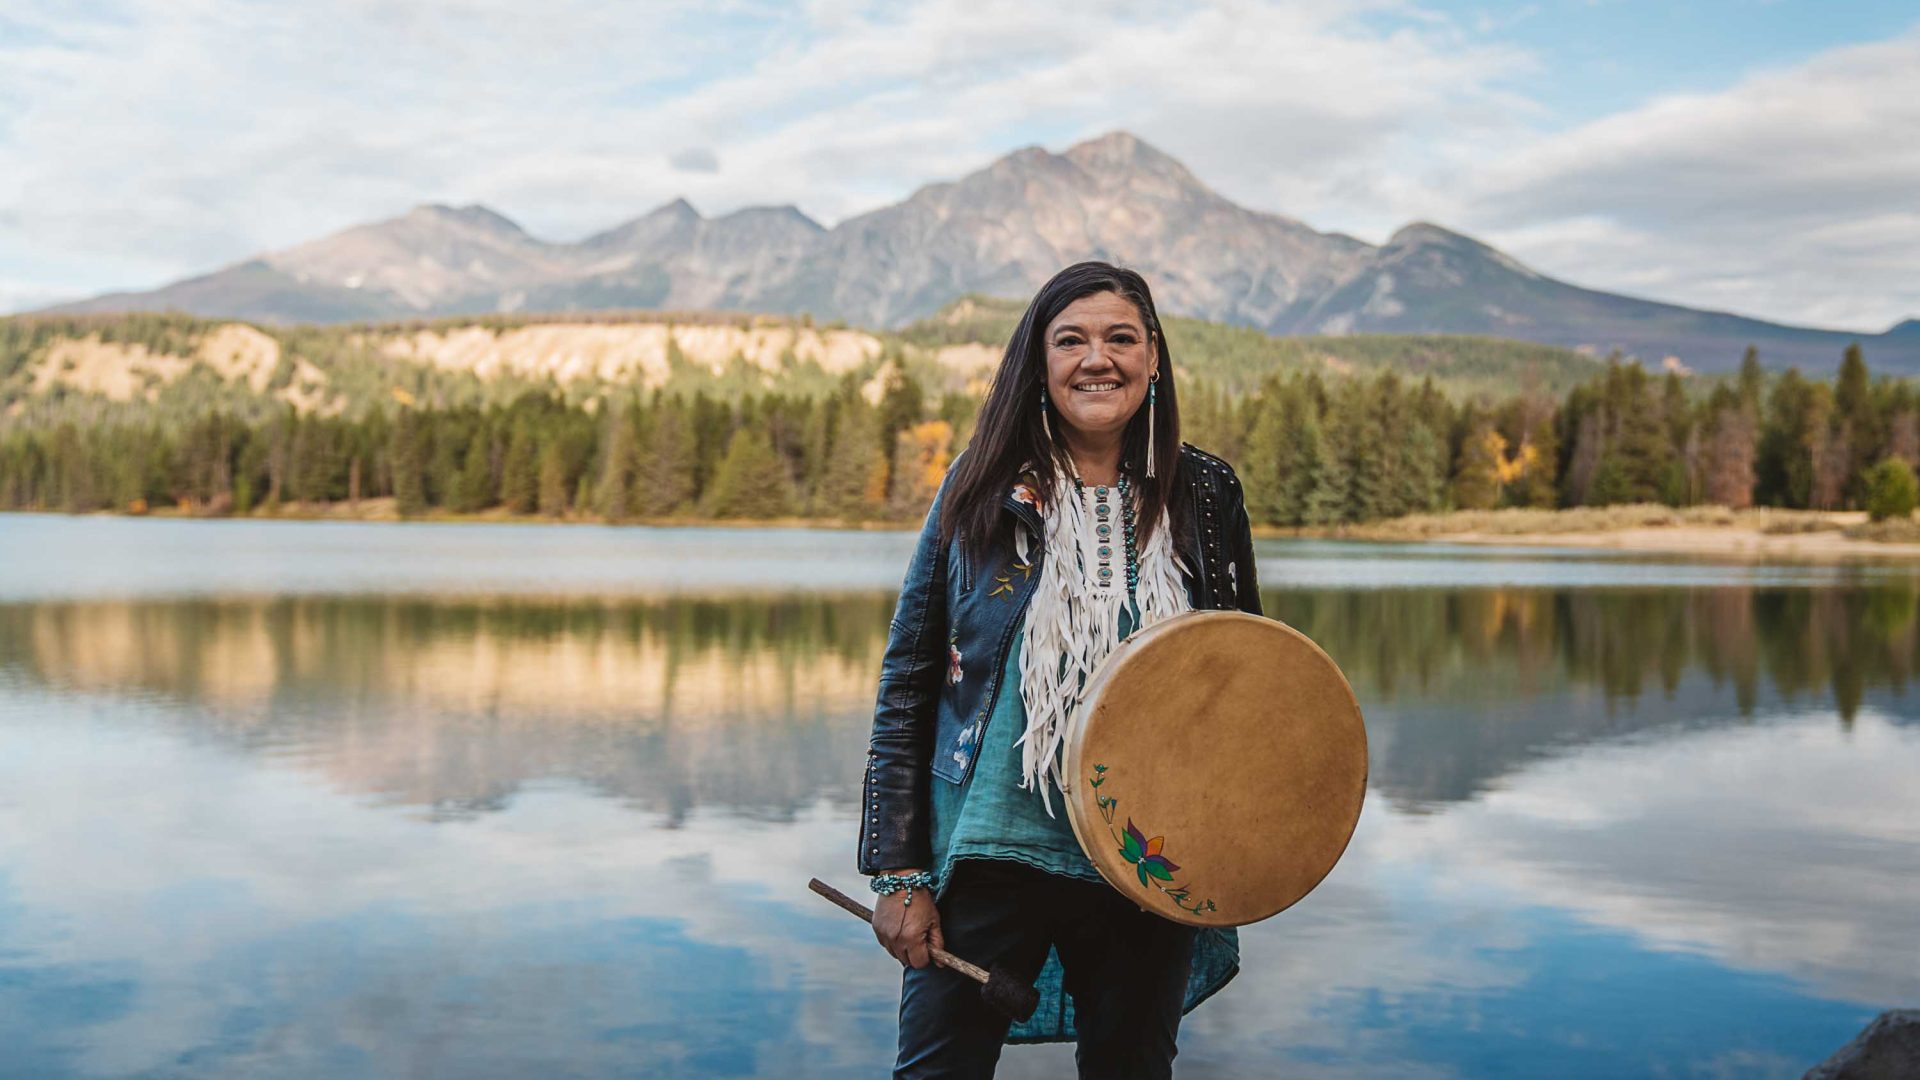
(1103, 511)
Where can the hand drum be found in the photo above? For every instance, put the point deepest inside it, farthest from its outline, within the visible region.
(1216, 766)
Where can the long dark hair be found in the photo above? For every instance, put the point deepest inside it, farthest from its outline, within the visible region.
(1009, 429)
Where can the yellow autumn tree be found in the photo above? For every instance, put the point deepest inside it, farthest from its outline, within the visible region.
(921, 454)
(1511, 469)
(1476, 475)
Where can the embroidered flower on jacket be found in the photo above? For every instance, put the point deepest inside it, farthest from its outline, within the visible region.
(953, 661)
(1026, 493)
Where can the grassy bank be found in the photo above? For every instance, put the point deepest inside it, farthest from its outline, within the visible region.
(1707, 530)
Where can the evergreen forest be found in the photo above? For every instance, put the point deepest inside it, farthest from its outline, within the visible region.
(1316, 443)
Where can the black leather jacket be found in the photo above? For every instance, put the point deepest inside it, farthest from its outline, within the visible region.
(955, 620)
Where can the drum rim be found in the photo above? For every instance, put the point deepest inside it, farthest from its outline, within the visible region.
(1071, 763)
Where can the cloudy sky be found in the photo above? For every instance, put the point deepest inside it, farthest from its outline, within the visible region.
(1757, 157)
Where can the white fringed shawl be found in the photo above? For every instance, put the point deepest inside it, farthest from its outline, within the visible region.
(1073, 622)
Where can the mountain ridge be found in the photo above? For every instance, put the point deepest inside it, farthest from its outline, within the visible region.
(998, 230)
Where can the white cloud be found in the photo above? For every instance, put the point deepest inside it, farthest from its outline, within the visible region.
(157, 140)
(26, 295)
(695, 159)
(1728, 842)
(161, 140)
(214, 881)
(1789, 196)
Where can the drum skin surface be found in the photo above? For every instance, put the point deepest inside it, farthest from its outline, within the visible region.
(1218, 761)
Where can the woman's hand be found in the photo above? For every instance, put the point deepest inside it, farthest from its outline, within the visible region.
(906, 930)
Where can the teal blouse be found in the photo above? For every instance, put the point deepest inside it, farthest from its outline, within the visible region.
(990, 816)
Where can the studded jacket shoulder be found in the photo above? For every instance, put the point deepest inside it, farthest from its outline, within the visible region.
(954, 622)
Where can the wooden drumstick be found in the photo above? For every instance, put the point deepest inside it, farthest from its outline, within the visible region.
(999, 987)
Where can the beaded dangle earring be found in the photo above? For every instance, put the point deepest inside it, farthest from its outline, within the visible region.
(1154, 379)
(1044, 426)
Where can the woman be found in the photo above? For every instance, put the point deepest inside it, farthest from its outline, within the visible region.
(1075, 515)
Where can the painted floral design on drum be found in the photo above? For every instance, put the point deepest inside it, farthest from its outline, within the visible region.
(1145, 853)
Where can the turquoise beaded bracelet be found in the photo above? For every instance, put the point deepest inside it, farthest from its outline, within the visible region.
(888, 884)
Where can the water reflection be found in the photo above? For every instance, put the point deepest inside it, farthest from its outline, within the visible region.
(1614, 832)
(755, 704)
(1462, 686)
(455, 704)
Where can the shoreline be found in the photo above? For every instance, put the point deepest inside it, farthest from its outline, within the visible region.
(384, 510)
(1711, 531)
(1757, 534)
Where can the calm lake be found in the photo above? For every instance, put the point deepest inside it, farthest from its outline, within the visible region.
(331, 800)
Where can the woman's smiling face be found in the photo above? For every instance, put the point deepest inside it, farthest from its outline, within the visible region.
(1099, 358)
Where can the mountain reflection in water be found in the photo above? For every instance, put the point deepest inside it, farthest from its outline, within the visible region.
(752, 704)
(1614, 830)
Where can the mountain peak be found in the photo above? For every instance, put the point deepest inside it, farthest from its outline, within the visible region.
(785, 213)
(1422, 233)
(1123, 150)
(1909, 328)
(678, 208)
(1118, 144)
(1425, 236)
(671, 223)
(1023, 161)
(472, 215)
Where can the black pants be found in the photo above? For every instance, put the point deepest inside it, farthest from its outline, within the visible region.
(1126, 970)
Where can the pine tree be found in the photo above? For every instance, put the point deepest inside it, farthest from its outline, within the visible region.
(1862, 428)
(1307, 493)
(1332, 500)
(1851, 385)
(553, 481)
(900, 407)
(473, 489)
(1283, 454)
(617, 460)
(279, 442)
(663, 477)
(1640, 459)
(712, 431)
(1729, 456)
(1829, 450)
(520, 480)
(1424, 478)
(1423, 418)
(853, 485)
(1378, 450)
(409, 463)
(1589, 446)
(1263, 466)
(1675, 407)
(248, 474)
(374, 444)
(453, 431)
(1783, 473)
(1753, 381)
(751, 481)
(202, 468)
